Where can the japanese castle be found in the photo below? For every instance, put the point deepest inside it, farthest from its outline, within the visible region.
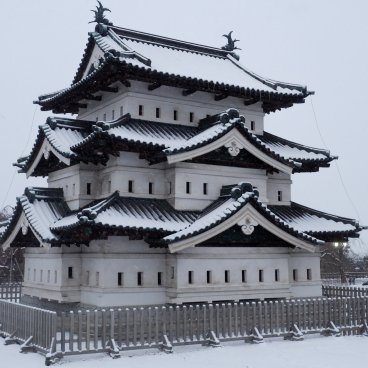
(165, 188)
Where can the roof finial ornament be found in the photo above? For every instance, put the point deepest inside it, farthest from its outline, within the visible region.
(230, 46)
(100, 16)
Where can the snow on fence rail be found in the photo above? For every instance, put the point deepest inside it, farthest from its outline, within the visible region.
(115, 330)
(11, 291)
(344, 291)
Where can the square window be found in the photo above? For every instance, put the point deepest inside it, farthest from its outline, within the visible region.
(140, 278)
(140, 110)
(89, 188)
(244, 276)
(209, 277)
(70, 272)
(190, 277)
(227, 276)
(205, 187)
(130, 186)
(158, 112)
(309, 274)
(120, 279)
(150, 188)
(260, 276)
(188, 187)
(277, 275)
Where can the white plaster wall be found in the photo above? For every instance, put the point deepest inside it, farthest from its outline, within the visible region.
(167, 99)
(276, 182)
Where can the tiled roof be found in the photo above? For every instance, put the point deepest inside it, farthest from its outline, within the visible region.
(51, 220)
(77, 140)
(135, 54)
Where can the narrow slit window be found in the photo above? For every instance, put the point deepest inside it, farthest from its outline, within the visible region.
(205, 188)
(309, 274)
(121, 110)
(150, 188)
(191, 117)
(172, 273)
(55, 277)
(175, 114)
(277, 275)
(260, 276)
(48, 276)
(140, 278)
(227, 276)
(66, 190)
(130, 186)
(295, 274)
(89, 188)
(104, 117)
(188, 187)
(279, 195)
(159, 278)
(244, 276)
(108, 186)
(96, 119)
(252, 125)
(34, 275)
(170, 187)
(73, 190)
(70, 272)
(41, 275)
(158, 112)
(97, 279)
(87, 278)
(209, 277)
(190, 277)
(112, 114)
(140, 110)
(120, 279)
(29, 274)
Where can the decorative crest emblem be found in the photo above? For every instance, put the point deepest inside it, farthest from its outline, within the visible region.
(230, 46)
(100, 16)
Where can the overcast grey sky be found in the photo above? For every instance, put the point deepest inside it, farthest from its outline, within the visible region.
(322, 44)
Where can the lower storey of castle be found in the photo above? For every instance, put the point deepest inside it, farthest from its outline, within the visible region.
(122, 272)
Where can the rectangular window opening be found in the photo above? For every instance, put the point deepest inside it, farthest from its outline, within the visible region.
(260, 276)
(87, 278)
(191, 117)
(158, 112)
(205, 187)
(244, 276)
(140, 110)
(175, 114)
(252, 125)
(188, 187)
(295, 274)
(112, 114)
(121, 110)
(140, 278)
(170, 187)
(279, 196)
(108, 186)
(104, 117)
(73, 190)
(150, 188)
(34, 275)
(130, 186)
(97, 279)
(227, 276)
(159, 278)
(48, 276)
(172, 273)
(190, 277)
(89, 188)
(309, 274)
(41, 275)
(277, 275)
(120, 279)
(209, 277)
(70, 272)
(55, 277)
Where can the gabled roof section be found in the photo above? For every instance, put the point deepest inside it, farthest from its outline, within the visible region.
(63, 142)
(35, 211)
(125, 54)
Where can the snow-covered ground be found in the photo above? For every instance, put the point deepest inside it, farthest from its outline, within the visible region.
(313, 352)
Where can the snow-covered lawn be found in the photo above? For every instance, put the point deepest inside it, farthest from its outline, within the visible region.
(313, 352)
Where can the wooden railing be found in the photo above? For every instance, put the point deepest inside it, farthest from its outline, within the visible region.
(10, 291)
(344, 291)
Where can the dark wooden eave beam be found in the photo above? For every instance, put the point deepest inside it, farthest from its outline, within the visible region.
(251, 101)
(93, 98)
(154, 86)
(221, 96)
(109, 89)
(188, 92)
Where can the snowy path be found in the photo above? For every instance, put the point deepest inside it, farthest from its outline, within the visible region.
(314, 352)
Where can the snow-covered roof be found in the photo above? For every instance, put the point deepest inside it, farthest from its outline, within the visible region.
(156, 59)
(45, 212)
(72, 141)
